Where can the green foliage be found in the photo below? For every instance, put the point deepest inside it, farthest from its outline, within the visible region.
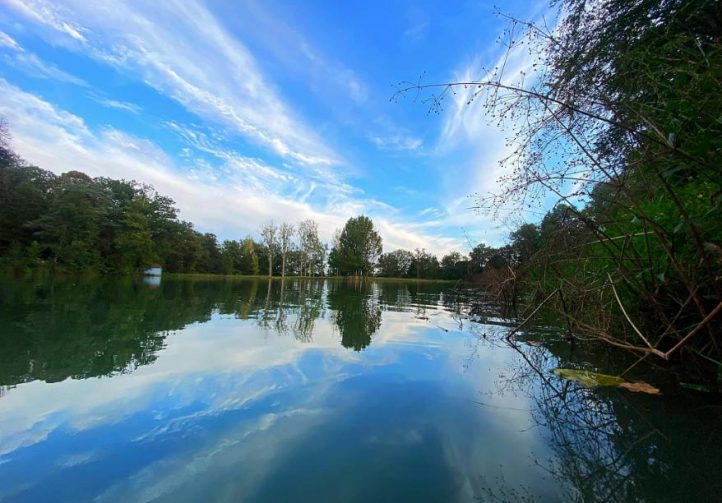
(424, 265)
(628, 107)
(80, 224)
(396, 264)
(358, 248)
(454, 266)
(356, 313)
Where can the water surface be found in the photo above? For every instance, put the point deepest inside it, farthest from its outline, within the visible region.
(251, 390)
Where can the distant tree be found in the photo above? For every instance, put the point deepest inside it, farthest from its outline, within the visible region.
(424, 265)
(269, 234)
(71, 226)
(525, 242)
(210, 258)
(231, 252)
(25, 196)
(359, 246)
(454, 266)
(396, 264)
(133, 241)
(249, 263)
(285, 237)
(311, 249)
(480, 256)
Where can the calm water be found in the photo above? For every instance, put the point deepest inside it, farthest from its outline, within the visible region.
(320, 391)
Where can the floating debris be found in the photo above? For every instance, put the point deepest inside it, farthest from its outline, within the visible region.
(595, 379)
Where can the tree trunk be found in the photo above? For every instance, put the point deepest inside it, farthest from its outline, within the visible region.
(270, 265)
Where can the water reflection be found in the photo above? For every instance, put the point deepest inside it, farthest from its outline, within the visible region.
(52, 331)
(610, 445)
(357, 312)
(267, 390)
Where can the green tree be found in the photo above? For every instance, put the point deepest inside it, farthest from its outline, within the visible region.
(71, 227)
(249, 259)
(424, 265)
(134, 242)
(269, 234)
(454, 266)
(358, 248)
(232, 256)
(525, 242)
(396, 264)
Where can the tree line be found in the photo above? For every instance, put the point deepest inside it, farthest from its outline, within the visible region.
(75, 223)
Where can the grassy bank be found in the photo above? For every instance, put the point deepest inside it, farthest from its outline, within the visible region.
(234, 277)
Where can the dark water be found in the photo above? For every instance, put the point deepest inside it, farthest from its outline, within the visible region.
(321, 391)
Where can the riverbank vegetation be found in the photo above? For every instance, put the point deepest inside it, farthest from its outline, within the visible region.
(618, 119)
(72, 223)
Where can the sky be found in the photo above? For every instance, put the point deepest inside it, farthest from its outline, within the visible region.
(249, 111)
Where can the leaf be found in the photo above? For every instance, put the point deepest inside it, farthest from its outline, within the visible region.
(640, 387)
(588, 378)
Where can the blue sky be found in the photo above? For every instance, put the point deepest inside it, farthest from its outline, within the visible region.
(249, 111)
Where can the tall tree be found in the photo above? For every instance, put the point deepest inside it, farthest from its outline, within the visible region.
(424, 265)
(396, 264)
(285, 238)
(359, 246)
(133, 242)
(269, 234)
(454, 266)
(249, 259)
(310, 247)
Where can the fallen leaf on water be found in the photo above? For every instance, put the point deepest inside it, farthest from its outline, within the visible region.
(640, 387)
(588, 378)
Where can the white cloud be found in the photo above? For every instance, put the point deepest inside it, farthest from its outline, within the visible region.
(120, 105)
(239, 197)
(7, 41)
(30, 64)
(182, 50)
(399, 142)
(416, 32)
(330, 80)
(49, 15)
(470, 134)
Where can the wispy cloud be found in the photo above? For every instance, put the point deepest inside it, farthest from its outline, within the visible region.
(397, 142)
(119, 105)
(241, 194)
(30, 64)
(49, 15)
(7, 41)
(416, 32)
(183, 52)
(480, 170)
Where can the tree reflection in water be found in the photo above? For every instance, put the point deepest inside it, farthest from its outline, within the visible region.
(80, 329)
(356, 311)
(607, 444)
(614, 446)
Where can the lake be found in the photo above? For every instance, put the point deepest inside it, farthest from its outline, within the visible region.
(323, 390)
